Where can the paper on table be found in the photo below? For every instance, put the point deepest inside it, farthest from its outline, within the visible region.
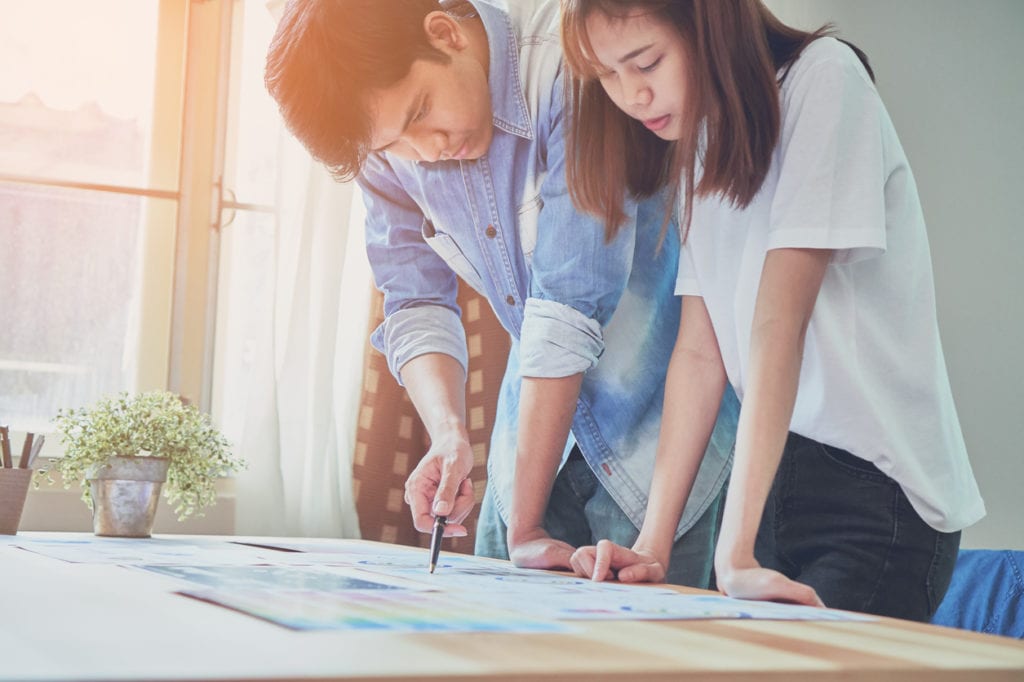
(324, 546)
(277, 578)
(98, 550)
(654, 605)
(391, 610)
(466, 575)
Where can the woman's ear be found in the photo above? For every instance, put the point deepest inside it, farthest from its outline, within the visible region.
(444, 32)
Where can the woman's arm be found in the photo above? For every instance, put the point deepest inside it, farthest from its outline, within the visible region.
(693, 394)
(789, 287)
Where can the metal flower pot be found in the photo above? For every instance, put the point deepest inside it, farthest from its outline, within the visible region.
(125, 493)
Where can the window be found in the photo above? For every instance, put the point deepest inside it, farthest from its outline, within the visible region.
(88, 199)
(137, 159)
(246, 260)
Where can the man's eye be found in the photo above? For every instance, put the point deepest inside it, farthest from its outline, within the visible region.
(421, 114)
(652, 66)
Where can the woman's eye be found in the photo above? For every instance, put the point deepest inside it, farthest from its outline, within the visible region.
(652, 66)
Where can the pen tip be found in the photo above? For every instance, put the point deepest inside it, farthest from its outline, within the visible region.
(432, 567)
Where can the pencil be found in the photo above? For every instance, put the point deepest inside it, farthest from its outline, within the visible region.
(435, 540)
(26, 451)
(37, 446)
(5, 444)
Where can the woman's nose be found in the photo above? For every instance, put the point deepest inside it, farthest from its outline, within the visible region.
(636, 92)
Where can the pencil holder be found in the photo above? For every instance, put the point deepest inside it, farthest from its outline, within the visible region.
(13, 490)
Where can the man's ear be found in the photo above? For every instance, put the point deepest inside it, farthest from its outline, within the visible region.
(444, 32)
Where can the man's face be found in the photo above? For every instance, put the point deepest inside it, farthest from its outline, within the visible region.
(438, 112)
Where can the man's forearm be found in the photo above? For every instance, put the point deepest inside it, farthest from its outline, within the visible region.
(546, 409)
(436, 384)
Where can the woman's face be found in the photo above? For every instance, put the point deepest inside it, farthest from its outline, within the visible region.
(644, 69)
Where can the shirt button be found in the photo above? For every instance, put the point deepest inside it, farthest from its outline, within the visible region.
(510, 299)
(491, 232)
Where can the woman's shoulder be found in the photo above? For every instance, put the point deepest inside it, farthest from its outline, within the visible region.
(826, 57)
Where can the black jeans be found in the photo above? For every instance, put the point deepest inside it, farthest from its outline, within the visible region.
(581, 512)
(835, 522)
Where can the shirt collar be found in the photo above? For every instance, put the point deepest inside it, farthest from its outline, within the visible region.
(508, 104)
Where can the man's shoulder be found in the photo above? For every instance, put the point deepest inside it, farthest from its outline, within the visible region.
(532, 20)
(539, 19)
(540, 54)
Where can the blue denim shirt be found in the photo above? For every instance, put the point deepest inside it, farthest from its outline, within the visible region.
(571, 302)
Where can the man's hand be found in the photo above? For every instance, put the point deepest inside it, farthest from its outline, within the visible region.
(534, 548)
(607, 560)
(764, 584)
(440, 485)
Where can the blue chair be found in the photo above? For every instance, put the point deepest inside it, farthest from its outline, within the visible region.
(986, 593)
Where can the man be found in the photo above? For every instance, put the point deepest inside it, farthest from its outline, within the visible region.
(451, 119)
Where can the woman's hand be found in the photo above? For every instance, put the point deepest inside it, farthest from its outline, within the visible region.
(765, 584)
(607, 560)
(534, 548)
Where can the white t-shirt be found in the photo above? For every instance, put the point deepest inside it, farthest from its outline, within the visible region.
(873, 379)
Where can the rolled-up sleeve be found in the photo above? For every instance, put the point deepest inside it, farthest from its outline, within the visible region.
(420, 312)
(577, 279)
(558, 340)
(411, 332)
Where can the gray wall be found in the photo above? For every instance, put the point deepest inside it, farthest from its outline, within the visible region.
(952, 76)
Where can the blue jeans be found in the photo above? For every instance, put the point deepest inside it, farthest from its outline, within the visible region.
(835, 522)
(580, 512)
(986, 594)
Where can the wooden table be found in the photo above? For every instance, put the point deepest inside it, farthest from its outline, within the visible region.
(64, 621)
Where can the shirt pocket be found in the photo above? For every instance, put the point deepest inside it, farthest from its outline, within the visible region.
(529, 212)
(444, 246)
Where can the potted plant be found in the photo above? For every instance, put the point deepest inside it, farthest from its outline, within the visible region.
(121, 449)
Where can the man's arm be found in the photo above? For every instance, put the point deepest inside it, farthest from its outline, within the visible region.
(576, 284)
(440, 484)
(424, 342)
(546, 410)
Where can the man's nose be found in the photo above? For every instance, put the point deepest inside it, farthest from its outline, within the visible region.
(430, 145)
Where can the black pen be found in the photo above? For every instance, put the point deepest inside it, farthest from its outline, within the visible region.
(435, 540)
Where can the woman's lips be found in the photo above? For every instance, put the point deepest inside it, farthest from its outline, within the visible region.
(656, 124)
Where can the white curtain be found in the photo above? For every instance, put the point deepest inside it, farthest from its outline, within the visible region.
(300, 422)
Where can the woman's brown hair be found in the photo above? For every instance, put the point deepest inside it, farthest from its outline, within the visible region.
(737, 49)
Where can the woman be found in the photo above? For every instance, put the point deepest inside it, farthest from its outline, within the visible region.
(806, 284)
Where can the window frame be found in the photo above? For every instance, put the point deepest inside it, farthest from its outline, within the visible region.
(177, 302)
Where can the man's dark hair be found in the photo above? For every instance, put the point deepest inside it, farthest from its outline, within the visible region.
(325, 58)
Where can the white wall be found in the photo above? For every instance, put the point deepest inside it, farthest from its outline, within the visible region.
(951, 73)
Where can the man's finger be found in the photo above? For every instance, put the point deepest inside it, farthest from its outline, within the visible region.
(455, 530)
(424, 523)
(444, 499)
(464, 502)
(419, 505)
